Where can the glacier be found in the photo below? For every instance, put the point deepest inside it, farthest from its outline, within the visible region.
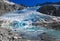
(25, 22)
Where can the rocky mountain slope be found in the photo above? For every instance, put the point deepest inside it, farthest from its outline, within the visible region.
(6, 6)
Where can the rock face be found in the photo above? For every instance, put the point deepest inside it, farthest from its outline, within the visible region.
(8, 7)
(49, 9)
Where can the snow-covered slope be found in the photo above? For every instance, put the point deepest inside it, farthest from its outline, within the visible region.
(7, 6)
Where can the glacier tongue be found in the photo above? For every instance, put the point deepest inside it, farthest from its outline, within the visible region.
(30, 23)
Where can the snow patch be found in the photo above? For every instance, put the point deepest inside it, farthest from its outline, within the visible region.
(6, 1)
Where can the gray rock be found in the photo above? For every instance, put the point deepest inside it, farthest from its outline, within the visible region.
(6, 7)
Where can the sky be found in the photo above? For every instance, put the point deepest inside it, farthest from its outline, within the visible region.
(32, 2)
